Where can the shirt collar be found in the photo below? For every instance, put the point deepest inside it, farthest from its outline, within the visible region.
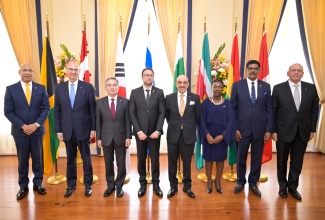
(24, 84)
(144, 89)
(291, 84)
(179, 94)
(75, 83)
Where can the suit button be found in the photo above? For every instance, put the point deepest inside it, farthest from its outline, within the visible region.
(147, 110)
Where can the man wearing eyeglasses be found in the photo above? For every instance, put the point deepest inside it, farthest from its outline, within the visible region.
(75, 124)
(147, 114)
(27, 106)
(295, 110)
(252, 103)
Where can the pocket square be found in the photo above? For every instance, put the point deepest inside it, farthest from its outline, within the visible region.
(192, 102)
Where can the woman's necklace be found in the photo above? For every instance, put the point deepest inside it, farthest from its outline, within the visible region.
(218, 102)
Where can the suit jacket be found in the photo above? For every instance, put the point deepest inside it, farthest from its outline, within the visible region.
(18, 112)
(147, 118)
(189, 120)
(252, 119)
(109, 129)
(286, 117)
(81, 118)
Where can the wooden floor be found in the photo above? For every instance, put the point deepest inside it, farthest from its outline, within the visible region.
(205, 206)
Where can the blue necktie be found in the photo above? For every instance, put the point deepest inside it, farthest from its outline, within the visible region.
(72, 94)
(253, 96)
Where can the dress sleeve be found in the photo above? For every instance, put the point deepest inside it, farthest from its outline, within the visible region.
(203, 130)
(229, 133)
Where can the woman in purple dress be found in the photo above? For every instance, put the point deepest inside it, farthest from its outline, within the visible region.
(217, 130)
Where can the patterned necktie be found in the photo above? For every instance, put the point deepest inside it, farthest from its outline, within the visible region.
(253, 96)
(147, 96)
(296, 96)
(181, 106)
(113, 108)
(27, 93)
(72, 94)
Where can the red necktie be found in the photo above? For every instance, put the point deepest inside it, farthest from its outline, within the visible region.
(113, 108)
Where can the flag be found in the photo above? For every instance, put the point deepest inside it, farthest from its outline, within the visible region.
(233, 76)
(148, 54)
(179, 60)
(203, 89)
(49, 80)
(120, 76)
(84, 67)
(264, 75)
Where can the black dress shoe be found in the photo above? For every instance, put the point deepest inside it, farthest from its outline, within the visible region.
(171, 193)
(255, 190)
(238, 188)
(22, 193)
(295, 194)
(40, 189)
(142, 190)
(283, 193)
(189, 192)
(157, 190)
(88, 191)
(69, 191)
(108, 191)
(219, 190)
(119, 192)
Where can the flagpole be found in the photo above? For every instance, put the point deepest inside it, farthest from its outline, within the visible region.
(79, 159)
(56, 179)
(148, 176)
(231, 175)
(203, 176)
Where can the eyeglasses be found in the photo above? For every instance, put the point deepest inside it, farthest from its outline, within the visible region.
(27, 70)
(147, 75)
(73, 70)
(111, 85)
(294, 70)
(253, 68)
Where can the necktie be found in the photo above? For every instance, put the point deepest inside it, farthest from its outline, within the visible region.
(72, 94)
(253, 96)
(296, 96)
(27, 93)
(113, 108)
(147, 96)
(181, 106)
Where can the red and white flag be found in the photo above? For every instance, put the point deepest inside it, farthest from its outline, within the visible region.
(84, 67)
(120, 76)
(264, 75)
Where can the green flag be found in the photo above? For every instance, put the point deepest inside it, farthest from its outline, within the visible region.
(179, 60)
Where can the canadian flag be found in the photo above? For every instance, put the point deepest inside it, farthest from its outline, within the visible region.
(84, 67)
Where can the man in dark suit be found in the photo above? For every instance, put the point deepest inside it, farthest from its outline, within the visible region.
(75, 124)
(147, 114)
(113, 133)
(295, 110)
(26, 105)
(183, 111)
(252, 103)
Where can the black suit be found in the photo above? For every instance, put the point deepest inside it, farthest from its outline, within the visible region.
(19, 113)
(147, 119)
(293, 129)
(181, 135)
(75, 124)
(113, 132)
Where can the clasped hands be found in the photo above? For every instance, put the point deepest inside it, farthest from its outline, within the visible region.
(142, 136)
(215, 140)
(29, 129)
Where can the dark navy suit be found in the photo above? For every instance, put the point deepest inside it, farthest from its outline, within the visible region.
(253, 120)
(18, 112)
(75, 124)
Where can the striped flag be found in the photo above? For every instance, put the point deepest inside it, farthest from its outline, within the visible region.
(203, 89)
(120, 76)
(233, 76)
(84, 67)
(264, 75)
(179, 60)
(148, 54)
(49, 80)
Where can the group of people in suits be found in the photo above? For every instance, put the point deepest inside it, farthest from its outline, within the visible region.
(251, 117)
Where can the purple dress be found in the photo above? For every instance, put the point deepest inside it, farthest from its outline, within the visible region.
(217, 120)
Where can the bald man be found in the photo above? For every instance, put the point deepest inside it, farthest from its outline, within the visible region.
(27, 107)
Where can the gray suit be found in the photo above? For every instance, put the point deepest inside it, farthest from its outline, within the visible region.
(113, 132)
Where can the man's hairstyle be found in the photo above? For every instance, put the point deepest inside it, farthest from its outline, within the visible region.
(253, 62)
(147, 68)
(111, 78)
